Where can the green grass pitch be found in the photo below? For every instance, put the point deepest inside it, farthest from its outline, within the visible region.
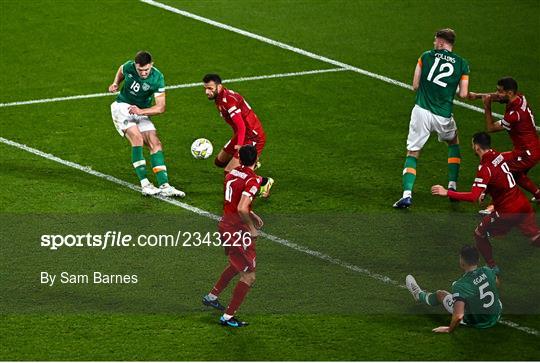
(335, 145)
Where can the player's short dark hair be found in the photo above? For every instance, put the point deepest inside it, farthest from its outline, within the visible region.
(508, 84)
(482, 139)
(143, 58)
(248, 155)
(470, 255)
(212, 77)
(447, 34)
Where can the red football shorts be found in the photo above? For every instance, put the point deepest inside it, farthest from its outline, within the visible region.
(258, 141)
(521, 161)
(241, 257)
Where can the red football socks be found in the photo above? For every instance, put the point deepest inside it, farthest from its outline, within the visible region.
(484, 246)
(240, 292)
(226, 277)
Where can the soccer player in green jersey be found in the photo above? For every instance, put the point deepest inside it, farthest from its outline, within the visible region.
(474, 299)
(131, 116)
(437, 76)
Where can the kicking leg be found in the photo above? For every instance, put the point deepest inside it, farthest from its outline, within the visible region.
(137, 158)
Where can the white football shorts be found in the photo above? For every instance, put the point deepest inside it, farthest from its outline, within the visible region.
(423, 123)
(123, 120)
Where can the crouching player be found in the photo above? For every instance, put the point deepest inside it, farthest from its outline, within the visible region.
(239, 230)
(512, 209)
(474, 299)
(246, 126)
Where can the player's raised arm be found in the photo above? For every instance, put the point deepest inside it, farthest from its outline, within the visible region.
(118, 78)
(491, 124)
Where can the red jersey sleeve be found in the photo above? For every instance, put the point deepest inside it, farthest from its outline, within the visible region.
(252, 187)
(511, 117)
(234, 109)
(479, 186)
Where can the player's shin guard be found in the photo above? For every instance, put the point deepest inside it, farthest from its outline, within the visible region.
(226, 277)
(409, 175)
(139, 164)
(428, 298)
(484, 246)
(454, 161)
(159, 168)
(240, 292)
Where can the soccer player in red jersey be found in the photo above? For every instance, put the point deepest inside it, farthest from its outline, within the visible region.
(246, 126)
(238, 229)
(512, 209)
(518, 120)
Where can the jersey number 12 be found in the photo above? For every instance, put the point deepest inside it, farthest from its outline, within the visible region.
(445, 66)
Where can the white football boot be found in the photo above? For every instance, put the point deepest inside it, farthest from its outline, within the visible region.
(149, 189)
(167, 190)
(413, 287)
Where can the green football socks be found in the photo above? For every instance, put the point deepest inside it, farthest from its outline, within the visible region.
(139, 164)
(409, 175)
(454, 160)
(428, 298)
(159, 168)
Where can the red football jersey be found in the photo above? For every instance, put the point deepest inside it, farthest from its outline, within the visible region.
(519, 122)
(240, 181)
(238, 114)
(494, 177)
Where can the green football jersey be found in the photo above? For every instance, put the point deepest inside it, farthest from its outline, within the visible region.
(479, 291)
(138, 91)
(441, 72)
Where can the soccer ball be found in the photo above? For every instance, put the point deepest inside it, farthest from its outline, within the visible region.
(201, 149)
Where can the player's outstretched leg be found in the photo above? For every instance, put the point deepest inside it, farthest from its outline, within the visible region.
(526, 183)
(409, 176)
(419, 294)
(159, 168)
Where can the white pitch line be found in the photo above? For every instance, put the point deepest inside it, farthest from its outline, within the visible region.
(295, 49)
(201, 212)
(176, 86)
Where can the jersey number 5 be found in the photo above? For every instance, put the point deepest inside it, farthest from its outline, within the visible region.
(484, 294)
(437, 80)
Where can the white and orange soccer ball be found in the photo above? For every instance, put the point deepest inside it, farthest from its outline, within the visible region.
(201, 148)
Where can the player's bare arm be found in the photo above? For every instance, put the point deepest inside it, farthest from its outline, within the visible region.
(245, 214)
(118, 78)
(464, 87)
(257, 221)
(158, 108)
(416, 77)
(491, 124)
(439, 190)
(457, 317)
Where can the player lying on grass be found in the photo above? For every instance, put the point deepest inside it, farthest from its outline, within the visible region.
(518, 120)
(246, 126)
(131, 116)
(241, 187)
(474, 299)
(511, 207)
(437, 76)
